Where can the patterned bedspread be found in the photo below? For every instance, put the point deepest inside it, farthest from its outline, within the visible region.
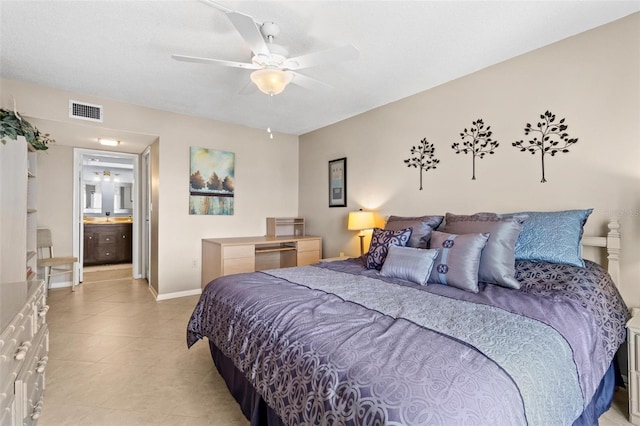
(335, 343)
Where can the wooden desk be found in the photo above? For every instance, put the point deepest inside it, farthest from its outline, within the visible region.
(226, 256)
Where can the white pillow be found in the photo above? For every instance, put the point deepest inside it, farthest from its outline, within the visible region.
(409, 264)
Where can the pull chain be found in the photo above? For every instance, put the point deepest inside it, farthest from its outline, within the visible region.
(270, 113)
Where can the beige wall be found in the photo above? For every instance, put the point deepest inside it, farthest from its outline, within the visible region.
(55, 200)
(266, 176)
(592, 80)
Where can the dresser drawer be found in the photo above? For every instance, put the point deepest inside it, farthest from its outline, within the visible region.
(107, 238)
(106, 252)
(308, 258)
(309, 245)
(29, 385)
(233, 252)
(239, 266)
(15, 345)
(7, 409)
(40, 308)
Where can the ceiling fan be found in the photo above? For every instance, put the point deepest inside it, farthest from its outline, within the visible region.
(273, 69)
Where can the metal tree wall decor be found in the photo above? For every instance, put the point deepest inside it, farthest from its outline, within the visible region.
(477, 141)
(423, 158)
(552, 138)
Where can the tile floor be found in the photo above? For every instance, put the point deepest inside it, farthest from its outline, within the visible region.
(617, 414)
(118, 357)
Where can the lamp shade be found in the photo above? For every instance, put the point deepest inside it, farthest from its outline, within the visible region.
(361, 220)
(271, 81)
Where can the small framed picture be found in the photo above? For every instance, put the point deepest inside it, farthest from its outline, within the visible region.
(338, 182)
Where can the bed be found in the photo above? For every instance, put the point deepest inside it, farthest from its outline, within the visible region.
(379, 340)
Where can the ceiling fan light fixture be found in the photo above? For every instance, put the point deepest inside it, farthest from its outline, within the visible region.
(271, 81)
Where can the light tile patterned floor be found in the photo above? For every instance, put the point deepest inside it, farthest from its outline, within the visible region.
(118, 357)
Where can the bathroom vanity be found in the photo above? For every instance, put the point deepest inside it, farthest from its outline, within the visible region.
(107, 243)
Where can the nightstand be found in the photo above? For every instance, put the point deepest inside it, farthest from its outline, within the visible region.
(633, 375)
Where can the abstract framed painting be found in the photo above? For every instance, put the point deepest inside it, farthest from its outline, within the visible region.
(338, 182)
(211, 182)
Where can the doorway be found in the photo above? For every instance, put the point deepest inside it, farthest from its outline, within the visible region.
(106, 189)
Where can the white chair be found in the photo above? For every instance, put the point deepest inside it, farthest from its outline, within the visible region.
(53, 265)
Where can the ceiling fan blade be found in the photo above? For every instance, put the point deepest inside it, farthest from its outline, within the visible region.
(323, 57)
(309, 82)
(222, 62)
(217, 5)
(249, 31)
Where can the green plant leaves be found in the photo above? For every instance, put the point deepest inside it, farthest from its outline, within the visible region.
(12, 126)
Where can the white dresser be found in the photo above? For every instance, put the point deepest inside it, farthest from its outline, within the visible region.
(24, 346)
(633, 375)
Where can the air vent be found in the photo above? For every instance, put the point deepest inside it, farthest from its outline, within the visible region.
(84, 111)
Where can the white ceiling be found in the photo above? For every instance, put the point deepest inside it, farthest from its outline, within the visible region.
(121, 50)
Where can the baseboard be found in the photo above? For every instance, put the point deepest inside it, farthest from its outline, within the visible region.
(157, 296)
(177, 294)
(153, 292)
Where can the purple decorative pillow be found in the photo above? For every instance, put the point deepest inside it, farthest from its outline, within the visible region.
(380, 241)
(459, 259)
(421, 227)
(497, 263)
(409, 263)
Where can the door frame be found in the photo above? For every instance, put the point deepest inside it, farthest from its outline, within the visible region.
(145, 198)
(78, 228)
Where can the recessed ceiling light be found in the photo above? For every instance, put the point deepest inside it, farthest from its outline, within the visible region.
(109, 142)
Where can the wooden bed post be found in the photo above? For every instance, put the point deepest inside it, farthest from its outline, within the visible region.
(613, 251)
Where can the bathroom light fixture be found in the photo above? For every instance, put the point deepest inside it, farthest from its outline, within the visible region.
(359, 221)
(270, 80)
(106, 175)
(108, 142)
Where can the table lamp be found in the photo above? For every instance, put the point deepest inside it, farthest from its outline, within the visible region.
(359, 221)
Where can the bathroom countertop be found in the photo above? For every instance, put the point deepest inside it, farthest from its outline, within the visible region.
(107, 220)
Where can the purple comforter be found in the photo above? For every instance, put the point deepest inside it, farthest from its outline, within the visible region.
(335, 343)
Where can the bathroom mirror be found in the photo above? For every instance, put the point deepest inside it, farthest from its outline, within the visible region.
(92, 197)
(122, 198)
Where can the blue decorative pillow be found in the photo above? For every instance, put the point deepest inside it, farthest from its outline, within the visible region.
(421, 227)
(553, 237)
(459, 259)
(380, 242)
(409, 264)
(497, 263)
